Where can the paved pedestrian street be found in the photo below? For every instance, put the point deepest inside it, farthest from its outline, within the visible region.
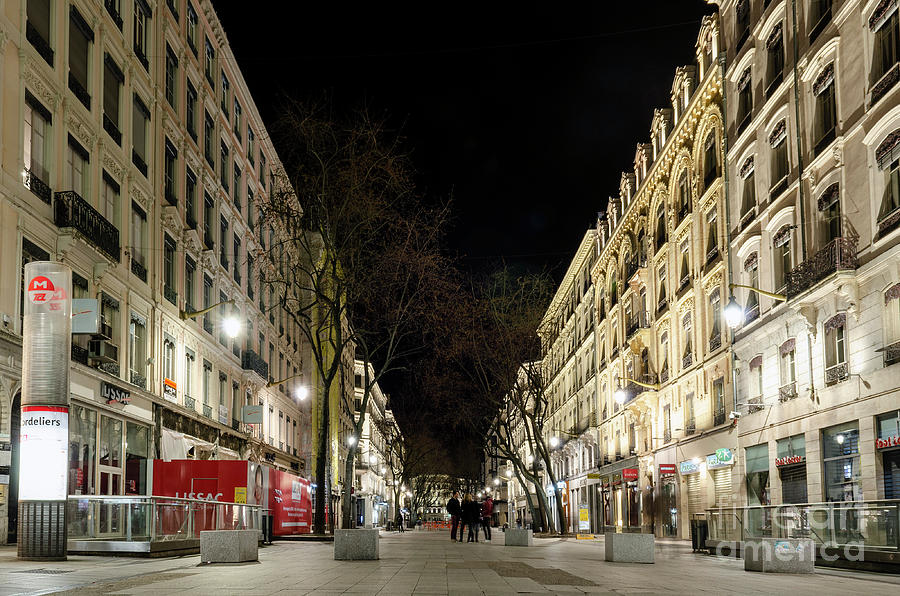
(427, 563)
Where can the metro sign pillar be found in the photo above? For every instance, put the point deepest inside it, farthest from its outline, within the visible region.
(44, 428)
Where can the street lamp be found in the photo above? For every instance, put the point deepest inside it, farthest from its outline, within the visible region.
(734, 312)
(185, 315)
(554, 442)
(301, 392)
(351, 440)
(383, 471)
(284, 380)
(621, 396)
(373, 459)
(496, 482)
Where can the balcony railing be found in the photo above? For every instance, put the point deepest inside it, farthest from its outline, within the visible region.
(667, 435)
(747, 219)
(79, 91)
(884, 84)
(690, 428)
(687, 360)
(632, 389)
(685, 281)
(170, 294)
(712, 254)
(888, 223)
(664, 375)
(892, 353)
(110, 127)
(250, 360)
(787, 392)
(79, 354)
(752, 313)
(836, 373)
(74, 212)
(638, 320)
(837, 255)
(38, 187)
(755, 404)
(190, 403)
(715, 342)
(138, 269)
(207, 410)
(138, 379)
(719, 416)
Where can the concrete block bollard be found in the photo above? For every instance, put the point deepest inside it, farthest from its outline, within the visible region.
(779, 555)
(629, 548)
(356, 545)
(229, 546)
(513, 537)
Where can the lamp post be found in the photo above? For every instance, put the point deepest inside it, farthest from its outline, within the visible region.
(621, 396)
(734, 312)
(231, 324)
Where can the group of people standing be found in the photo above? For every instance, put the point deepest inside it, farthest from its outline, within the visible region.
(470, 513)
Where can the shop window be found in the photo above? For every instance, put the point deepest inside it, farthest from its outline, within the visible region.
(82, 453)
(758, 475)
(840, 454)
(781, 258)
(826, 109)
(791, 462)
(888, 429)
(80, 39)
(110, 452)
(836, 368)
(137, 454)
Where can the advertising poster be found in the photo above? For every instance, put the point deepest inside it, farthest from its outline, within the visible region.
(290, 498)
(43, 453)
(584, 519)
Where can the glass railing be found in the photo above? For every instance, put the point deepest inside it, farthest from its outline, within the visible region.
(152, 519)
(873, 525)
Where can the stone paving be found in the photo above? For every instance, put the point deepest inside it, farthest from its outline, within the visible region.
(427, 563)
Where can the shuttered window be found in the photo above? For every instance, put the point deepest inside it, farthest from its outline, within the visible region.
(695, 501)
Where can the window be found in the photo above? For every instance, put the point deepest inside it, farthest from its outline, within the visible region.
(171, 165)
(689, 423)
(189, 360)
(223, 337)
(226, 88)
(137, 344)
(748, 192)
(667, 423)
(715, 323)
(836, 369)
(208, 221)
(207, 302)
(250, 290)
(710, 160)
(262, 169)
(781, 257)
(171, 77)
(210, 68)
(788, 365)
(192, 27)
(687, 353)
(169, 270)
(775, 60)
(662, 287)
(756, 383)
(142, 14)
(114, 8)
(742, 23)
(37, 132)
(190, 110)
(190, 272)
(169, 358)
(138, 221)
(237, 259)
(140, 120)
(758, 474)
(238, 119)
(778, 142)
(819, 17)
(109, 200)
(684, 195)
(745, 100)
(113, 79)
(207, 381)
(37, 28)
(173, 8)
(236, 185)
(190, 198)
(251, 146)
(225, 163)
(830, 209)
(223, 242)
(712, 236)
(840, 451)
(888, 157)
(685, 278)
(823, 88)
(208, 134)
(751, 269)
(77, 168)
(886, 52)
(719, 401)
(80, 38)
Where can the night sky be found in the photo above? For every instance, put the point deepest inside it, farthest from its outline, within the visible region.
(527, 117)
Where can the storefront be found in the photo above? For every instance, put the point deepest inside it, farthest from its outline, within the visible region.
(790, 460)
(719, 465)
(690, 475)
(887, 444)
(668, 502)
(841, 464)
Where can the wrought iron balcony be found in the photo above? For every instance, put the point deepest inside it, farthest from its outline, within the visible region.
(40, 44)
(72, 211)
(632, 389)
(747, 219)
(755, 404)
(170, 294)
(884, 84)
(207, 411)
(690, 428)
(138, 269)
(138, 379)
(687, 360)
(719, 416)
(715, 342)
(667, 435)
(752, 313)
(836, 373)
(250, 360)
(664, 375)
(787, 392)
(190, 403)
(79, 354)
(712, 254)
(837, 255)
(891, 353)
(38, 187)
(637, 321)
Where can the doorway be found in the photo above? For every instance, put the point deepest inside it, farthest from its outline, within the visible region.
(12, 507)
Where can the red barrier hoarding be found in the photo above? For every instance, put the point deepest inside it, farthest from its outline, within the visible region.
(234, 481)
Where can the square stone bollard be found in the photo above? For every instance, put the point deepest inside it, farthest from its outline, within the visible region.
(229, 546)
(356, 545)
(629, 548)
(517, 537)
(779, 555)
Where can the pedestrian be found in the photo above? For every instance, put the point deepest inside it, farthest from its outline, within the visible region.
(400, 521)
(463, 515)
(472, 515)
(519, 521)
(453, 508)
(487, 511)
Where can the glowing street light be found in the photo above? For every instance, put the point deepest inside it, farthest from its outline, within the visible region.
(373, 459)
(351, 440)
(620, 395)
(734, 313)
(496, 482)
(383, 471)
(301, 392)
(232, 326)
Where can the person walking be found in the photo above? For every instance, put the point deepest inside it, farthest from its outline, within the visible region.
(454, 509)
(472, 515)
(487, 511)
(400, 521)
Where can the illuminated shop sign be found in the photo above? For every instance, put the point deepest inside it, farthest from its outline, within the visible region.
(887, 442)
(114, 395)
(721, 458)
(789, 460)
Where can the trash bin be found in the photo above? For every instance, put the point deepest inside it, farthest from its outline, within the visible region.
(268, 524)
(699, 532)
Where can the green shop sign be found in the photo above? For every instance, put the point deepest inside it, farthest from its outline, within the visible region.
(721, 458)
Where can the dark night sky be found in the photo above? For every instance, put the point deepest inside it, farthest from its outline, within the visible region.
(527, 116)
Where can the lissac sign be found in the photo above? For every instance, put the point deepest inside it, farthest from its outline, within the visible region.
(199, 496)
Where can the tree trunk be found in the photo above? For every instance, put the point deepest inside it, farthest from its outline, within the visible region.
(321, 462)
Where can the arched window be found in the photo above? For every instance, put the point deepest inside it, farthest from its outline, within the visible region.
(751, 271)
(888, 157)
(710, 160)
(781, 257)
(748, 192)
(660, 226)
(829, 204)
